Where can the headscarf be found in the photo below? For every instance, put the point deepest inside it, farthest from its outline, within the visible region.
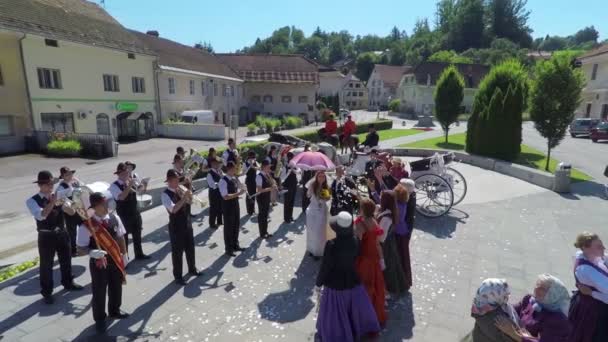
(557, 297)
(342, 224)
(491, 295)
(409, 184)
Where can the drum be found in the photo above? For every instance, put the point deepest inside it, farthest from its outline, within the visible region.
(144, 201)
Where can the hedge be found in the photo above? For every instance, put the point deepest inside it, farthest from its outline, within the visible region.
(311, 136)
(61, 147)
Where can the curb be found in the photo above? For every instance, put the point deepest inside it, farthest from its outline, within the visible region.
(539, 178)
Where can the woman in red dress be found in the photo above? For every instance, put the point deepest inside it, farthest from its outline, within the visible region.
(370, 262)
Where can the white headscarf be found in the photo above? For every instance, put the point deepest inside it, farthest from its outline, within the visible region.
(557, 297)
(491, 295)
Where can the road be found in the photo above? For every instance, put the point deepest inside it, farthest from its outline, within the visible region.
(583, 154)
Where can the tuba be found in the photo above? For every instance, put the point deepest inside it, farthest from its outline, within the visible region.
(192, 198)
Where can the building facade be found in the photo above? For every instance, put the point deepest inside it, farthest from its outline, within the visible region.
(192, 79)
(382, 85)
(595, 94)
(15, 115)
(354, 93)
(417, 86)
(85, 73)
(331, 81)
(275, 85)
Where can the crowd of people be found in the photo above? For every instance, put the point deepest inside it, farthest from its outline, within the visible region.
(360, 239)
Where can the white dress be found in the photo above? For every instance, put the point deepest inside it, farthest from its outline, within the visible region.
(316, 224)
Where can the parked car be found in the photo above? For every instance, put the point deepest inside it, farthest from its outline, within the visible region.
(198, 116)
(599, 132)
(582, 126)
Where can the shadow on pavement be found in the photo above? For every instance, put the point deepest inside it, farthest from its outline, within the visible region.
(401, 320)
(585, 189)
(442, 227)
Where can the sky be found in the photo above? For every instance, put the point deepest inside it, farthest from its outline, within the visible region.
(232, 24)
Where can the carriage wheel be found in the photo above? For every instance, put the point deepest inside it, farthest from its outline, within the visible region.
(434, 195)
(458, 183)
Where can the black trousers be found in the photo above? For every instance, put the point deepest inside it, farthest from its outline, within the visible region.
(105, 281)
(71, 224)
(182, 241)
(250, 202)
(289, 200)
(305, 199)
(133, 225)
(232, 219)
(264, 208)
(215, 208)
(50, 243)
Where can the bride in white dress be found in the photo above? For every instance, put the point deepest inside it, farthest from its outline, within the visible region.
(316, 216)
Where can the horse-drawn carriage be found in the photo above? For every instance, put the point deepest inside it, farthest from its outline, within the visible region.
(438, 186)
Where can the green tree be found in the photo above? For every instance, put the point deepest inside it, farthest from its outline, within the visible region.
(449, 57)
(311, 47)
(509, 19)
(588, 34)
(449, 94)
(495, 126)
(555, 95)
(445, 15)
(205, 46)
(554, 43)
(365, 65)
(467, 25)
(397, 54)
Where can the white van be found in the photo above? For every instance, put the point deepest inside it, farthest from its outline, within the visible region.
(198, 116)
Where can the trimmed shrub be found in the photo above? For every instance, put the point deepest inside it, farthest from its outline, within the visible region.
(494, 129)
(292, 122)
(449, 94)
(64, 147)
(252, 127)
(394, 105)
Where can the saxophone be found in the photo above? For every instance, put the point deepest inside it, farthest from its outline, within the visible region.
(277, 170)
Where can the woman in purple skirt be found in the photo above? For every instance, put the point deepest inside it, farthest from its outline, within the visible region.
(589, 307)
(345, 310)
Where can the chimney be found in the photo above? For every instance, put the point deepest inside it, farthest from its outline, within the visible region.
(152, 33)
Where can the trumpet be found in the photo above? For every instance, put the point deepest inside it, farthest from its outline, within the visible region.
(190, 197)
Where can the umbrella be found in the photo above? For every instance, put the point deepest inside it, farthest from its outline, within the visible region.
(312, 160)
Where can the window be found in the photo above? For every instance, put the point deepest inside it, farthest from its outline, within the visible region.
(214, 89)
(1, 77)
(131, 55)
(267, 98)
(358, 85)
(203, 88)
(57, 122)
(360, 94)
(470, 81)
(49, 78)
(286, 99)
(350, 85)
(110, 83)
(588, 111)
(171, 85)
(51, 42)
(224, 90)
(303, 99)
(138, 84)
(232, 90)
(103, 124)
(6, 126)
(373, 83)
(348, 93)
(255, 98)
(594, 72)
(191, 87)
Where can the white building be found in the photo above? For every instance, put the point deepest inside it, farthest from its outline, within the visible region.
(417, 86)
(353, 94)
(595, 94)
(331, 81)
(192, 79)
(276, 85)
(382, 84)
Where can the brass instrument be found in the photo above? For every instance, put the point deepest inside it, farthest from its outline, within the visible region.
(279, 167)
(239, 165)
(190, 197)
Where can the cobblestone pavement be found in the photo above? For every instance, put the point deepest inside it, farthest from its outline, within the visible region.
(266, 292)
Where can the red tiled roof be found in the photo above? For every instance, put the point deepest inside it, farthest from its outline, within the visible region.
(476, 71)
(602, 49)
(273, 68)
(391, 74)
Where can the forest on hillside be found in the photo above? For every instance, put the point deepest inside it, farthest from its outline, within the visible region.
(462, 31)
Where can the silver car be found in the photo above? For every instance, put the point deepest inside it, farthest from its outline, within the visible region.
(582, 126)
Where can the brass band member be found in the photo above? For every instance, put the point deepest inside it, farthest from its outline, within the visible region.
(107, 274)
(206, 166)
(215, 198)
(231, 154)
(131, 167)
(52, 237)
(64, 191)
(264, 185)
(290, 183)
(126, 208)
(181, 234)
(251, 170)
(229, 189)
(181, 152)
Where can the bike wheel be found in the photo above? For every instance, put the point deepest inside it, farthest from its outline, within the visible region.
(458, 184)
(434, 195)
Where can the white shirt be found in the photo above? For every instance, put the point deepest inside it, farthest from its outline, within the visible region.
(63, 193)
(224, 186)
(248, 165)
(83, 236)
(34, 208)
(115, 190)
(385, 223)
(167, 202)
(210, 182)
(259, 179)
(589, 276)
(225, 155)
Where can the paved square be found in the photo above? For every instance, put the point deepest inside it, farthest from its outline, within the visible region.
(516, 231)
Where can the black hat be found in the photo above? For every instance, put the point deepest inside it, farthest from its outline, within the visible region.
(132, 165)
(120, 168)
(96, 198)
(65, 170)
(171, 173)
(251, 154)
(44, 177)
(230, 141)
(265, 162)
(176, 158)
(230, 165)
(180, 150)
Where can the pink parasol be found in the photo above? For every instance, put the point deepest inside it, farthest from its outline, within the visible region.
(311, 160)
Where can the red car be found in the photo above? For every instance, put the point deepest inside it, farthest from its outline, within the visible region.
(599, 132)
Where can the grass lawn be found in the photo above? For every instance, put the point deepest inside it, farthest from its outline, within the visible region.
(392, 134)
(529, 156)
